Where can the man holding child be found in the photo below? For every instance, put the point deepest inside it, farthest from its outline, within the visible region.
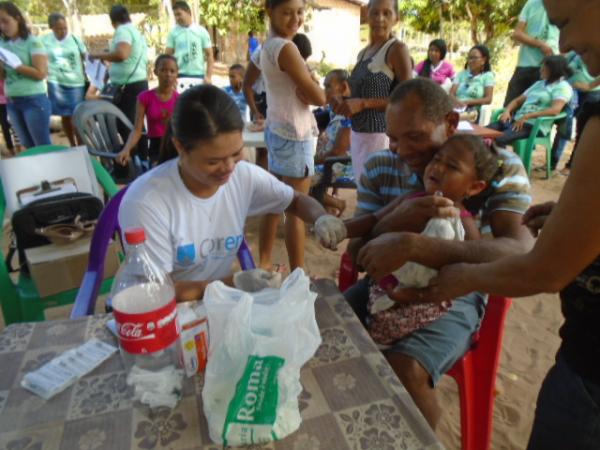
(420, 118)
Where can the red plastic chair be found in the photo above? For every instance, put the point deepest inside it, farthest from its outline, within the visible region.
(475, 372)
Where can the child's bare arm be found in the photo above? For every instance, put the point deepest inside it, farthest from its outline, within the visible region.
(292, 63)
(252, 74)
(341, 147)
(471, 230)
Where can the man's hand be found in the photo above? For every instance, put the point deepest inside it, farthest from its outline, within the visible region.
(413, 214)
(451, 282)
(386, 253)
(330, 231)
(207, 79)
(536, 216)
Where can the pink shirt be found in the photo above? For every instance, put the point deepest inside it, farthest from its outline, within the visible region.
(158, 112)
(444, 71)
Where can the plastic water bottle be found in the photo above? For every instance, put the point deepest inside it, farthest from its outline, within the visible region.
(143, 301)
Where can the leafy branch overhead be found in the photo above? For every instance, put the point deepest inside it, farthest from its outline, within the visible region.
(487, 19)
(223, 13)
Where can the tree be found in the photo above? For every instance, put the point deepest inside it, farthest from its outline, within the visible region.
(487, 19)
(221, 14)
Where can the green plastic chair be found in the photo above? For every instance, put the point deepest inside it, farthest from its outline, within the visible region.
(21, 302)
(525, 147)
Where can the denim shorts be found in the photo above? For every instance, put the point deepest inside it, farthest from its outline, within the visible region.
(64, 99)
(443, 342)
(288, 158)
(440, 344)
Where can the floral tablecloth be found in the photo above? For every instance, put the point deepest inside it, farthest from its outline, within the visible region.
(351, 397)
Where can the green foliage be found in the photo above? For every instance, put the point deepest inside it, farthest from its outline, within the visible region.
(38, 10)
(223, 13)
(323, 68)
(487, 19)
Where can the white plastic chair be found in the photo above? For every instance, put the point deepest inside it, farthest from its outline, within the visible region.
(186, 83)
(485, 115)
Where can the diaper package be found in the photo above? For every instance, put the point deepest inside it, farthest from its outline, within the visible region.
(258, 344)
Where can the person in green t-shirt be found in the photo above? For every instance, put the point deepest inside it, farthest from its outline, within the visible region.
(128, 55)
(24, 66)
(538, 38)
(474, 86)
(66, 77)
(546, 97)
(190, 43)
(586, 90)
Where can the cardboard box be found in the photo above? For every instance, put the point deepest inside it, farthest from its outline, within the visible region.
(57, 268)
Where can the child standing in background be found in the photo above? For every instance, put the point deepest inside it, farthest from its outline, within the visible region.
(334, 141)
(156, 105)
(290, 126)
(236, 80)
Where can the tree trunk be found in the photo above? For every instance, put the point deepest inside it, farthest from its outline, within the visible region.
(166, 6)
(195, 7)
(452, 44)
(73, 17)
(490, 31)
(441, 12)
(473, 22)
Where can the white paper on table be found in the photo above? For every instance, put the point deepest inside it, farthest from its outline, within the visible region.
(10, 59)
(460, 109)
(96, 71)
(463, 125)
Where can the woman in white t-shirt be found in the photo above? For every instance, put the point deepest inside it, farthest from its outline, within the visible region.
(194, 206)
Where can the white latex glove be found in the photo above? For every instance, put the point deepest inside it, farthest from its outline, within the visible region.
(10, 59)
(256, 279)
(330, 231)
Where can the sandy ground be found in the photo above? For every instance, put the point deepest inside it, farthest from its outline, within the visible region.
(530, 341)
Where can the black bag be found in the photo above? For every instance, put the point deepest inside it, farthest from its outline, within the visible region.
(112, 93)
(61, 209)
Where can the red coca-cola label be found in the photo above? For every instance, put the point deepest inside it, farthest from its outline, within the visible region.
(148, 332)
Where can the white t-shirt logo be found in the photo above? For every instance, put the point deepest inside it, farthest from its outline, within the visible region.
(220, 247)
(186, 254)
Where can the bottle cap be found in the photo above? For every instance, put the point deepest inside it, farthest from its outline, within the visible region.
(134, 236)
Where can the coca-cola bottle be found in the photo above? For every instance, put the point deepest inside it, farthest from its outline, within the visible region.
(143, 302)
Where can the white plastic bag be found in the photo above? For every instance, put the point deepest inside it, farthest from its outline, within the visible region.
(258, 343)
(416, 275)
